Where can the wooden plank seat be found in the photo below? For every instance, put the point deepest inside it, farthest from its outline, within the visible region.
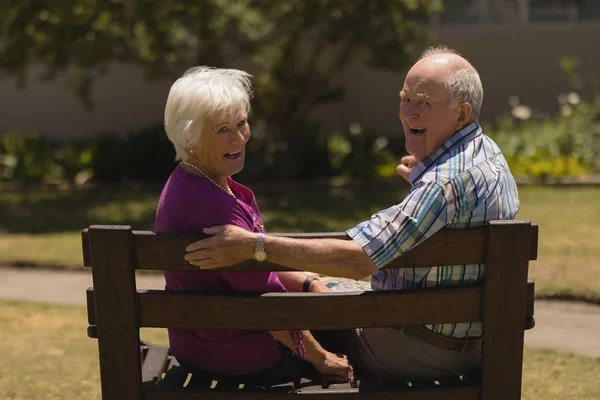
(174, 379)
(134, 370)
(178, 384)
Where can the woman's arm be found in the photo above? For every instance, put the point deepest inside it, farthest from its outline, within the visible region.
(335, 366)
(294, 282)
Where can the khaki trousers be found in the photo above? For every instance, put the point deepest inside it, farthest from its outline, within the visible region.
(388, 354)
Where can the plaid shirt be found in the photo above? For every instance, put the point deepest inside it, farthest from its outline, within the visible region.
(465, 183)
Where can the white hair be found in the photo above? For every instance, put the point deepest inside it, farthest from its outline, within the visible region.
(201, 93)
(463, 84)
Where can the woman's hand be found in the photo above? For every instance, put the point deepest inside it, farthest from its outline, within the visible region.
(317, 286)
(336, 368)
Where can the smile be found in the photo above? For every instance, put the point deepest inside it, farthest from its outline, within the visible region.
(418, 131)
(233, 155)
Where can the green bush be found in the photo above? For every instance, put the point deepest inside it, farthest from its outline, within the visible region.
(29, 157)
(540, 146)
(272, 159)
(319, 153)
(24, 157)
(72, 163)
(357, 153)
(145, 155)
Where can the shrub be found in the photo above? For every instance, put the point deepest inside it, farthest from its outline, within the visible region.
(24, 156)
(357, 153)
(539, 146)
(29, 157)
(144, 155)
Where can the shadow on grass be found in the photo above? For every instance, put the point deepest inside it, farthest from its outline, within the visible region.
(285, 208)
(323, 208)
(47, 211)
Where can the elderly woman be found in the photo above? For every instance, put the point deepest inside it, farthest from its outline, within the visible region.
(206, 119)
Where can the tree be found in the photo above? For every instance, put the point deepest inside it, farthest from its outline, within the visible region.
(294, 48)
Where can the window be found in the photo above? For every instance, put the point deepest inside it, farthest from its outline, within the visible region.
(554, 10)
(463, 12)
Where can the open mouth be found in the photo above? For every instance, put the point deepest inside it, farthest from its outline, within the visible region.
(418, 131)
(234, 155)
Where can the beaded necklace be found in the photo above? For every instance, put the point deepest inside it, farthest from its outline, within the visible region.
(226, 189)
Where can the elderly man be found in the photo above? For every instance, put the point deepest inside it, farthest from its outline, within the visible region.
(459, 179)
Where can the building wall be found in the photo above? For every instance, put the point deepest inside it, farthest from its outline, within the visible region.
(123, 101)
(516, 60)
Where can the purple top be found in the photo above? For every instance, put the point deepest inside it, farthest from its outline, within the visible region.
(190, 203)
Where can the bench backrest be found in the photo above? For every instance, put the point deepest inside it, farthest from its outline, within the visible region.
(501, 303)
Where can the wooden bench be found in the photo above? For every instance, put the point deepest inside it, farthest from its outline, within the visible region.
(132, 370)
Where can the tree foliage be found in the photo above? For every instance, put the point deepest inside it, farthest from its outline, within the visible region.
(296, 49)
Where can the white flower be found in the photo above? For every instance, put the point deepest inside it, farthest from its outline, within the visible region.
(562, 98)
(513, 101)
(355, 129)
(573, 98)
(566, 110)
(521, 112)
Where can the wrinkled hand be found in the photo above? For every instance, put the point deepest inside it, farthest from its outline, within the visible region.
(230, 245)
(337, 368)
(406, 166)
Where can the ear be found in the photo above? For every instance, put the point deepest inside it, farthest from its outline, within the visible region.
(465, 114)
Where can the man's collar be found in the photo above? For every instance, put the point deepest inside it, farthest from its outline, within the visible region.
(466, 133)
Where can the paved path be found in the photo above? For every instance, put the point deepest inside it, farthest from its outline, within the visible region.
(566, 326)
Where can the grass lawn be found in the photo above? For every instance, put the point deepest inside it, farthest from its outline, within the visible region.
(42, 227)
(46, 354)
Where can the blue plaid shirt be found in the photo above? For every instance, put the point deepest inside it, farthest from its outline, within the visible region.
(465, 183)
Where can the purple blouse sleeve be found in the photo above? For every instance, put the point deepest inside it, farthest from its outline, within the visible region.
(222, 212)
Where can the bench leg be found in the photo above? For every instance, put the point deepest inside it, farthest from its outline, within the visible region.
(504, 309)
(116, 314)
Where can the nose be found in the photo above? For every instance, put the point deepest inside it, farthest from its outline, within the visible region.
(408, 110)
(240, 136)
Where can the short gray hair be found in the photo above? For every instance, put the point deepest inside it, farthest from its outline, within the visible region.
(463, 84)
(201, 93)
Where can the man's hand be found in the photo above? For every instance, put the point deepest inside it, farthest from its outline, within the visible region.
(406, 166)
(336, 368)
(230, 245)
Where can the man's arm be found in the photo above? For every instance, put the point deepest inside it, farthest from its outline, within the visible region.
(232, 245)
(333, 257)
(387, 235)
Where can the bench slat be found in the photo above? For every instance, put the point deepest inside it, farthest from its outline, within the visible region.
(530, 306)
(449, 246)
(450, 393)
(159, 251)
(174, 379)
(275, 311)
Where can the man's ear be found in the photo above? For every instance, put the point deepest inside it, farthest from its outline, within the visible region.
(465, 114)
